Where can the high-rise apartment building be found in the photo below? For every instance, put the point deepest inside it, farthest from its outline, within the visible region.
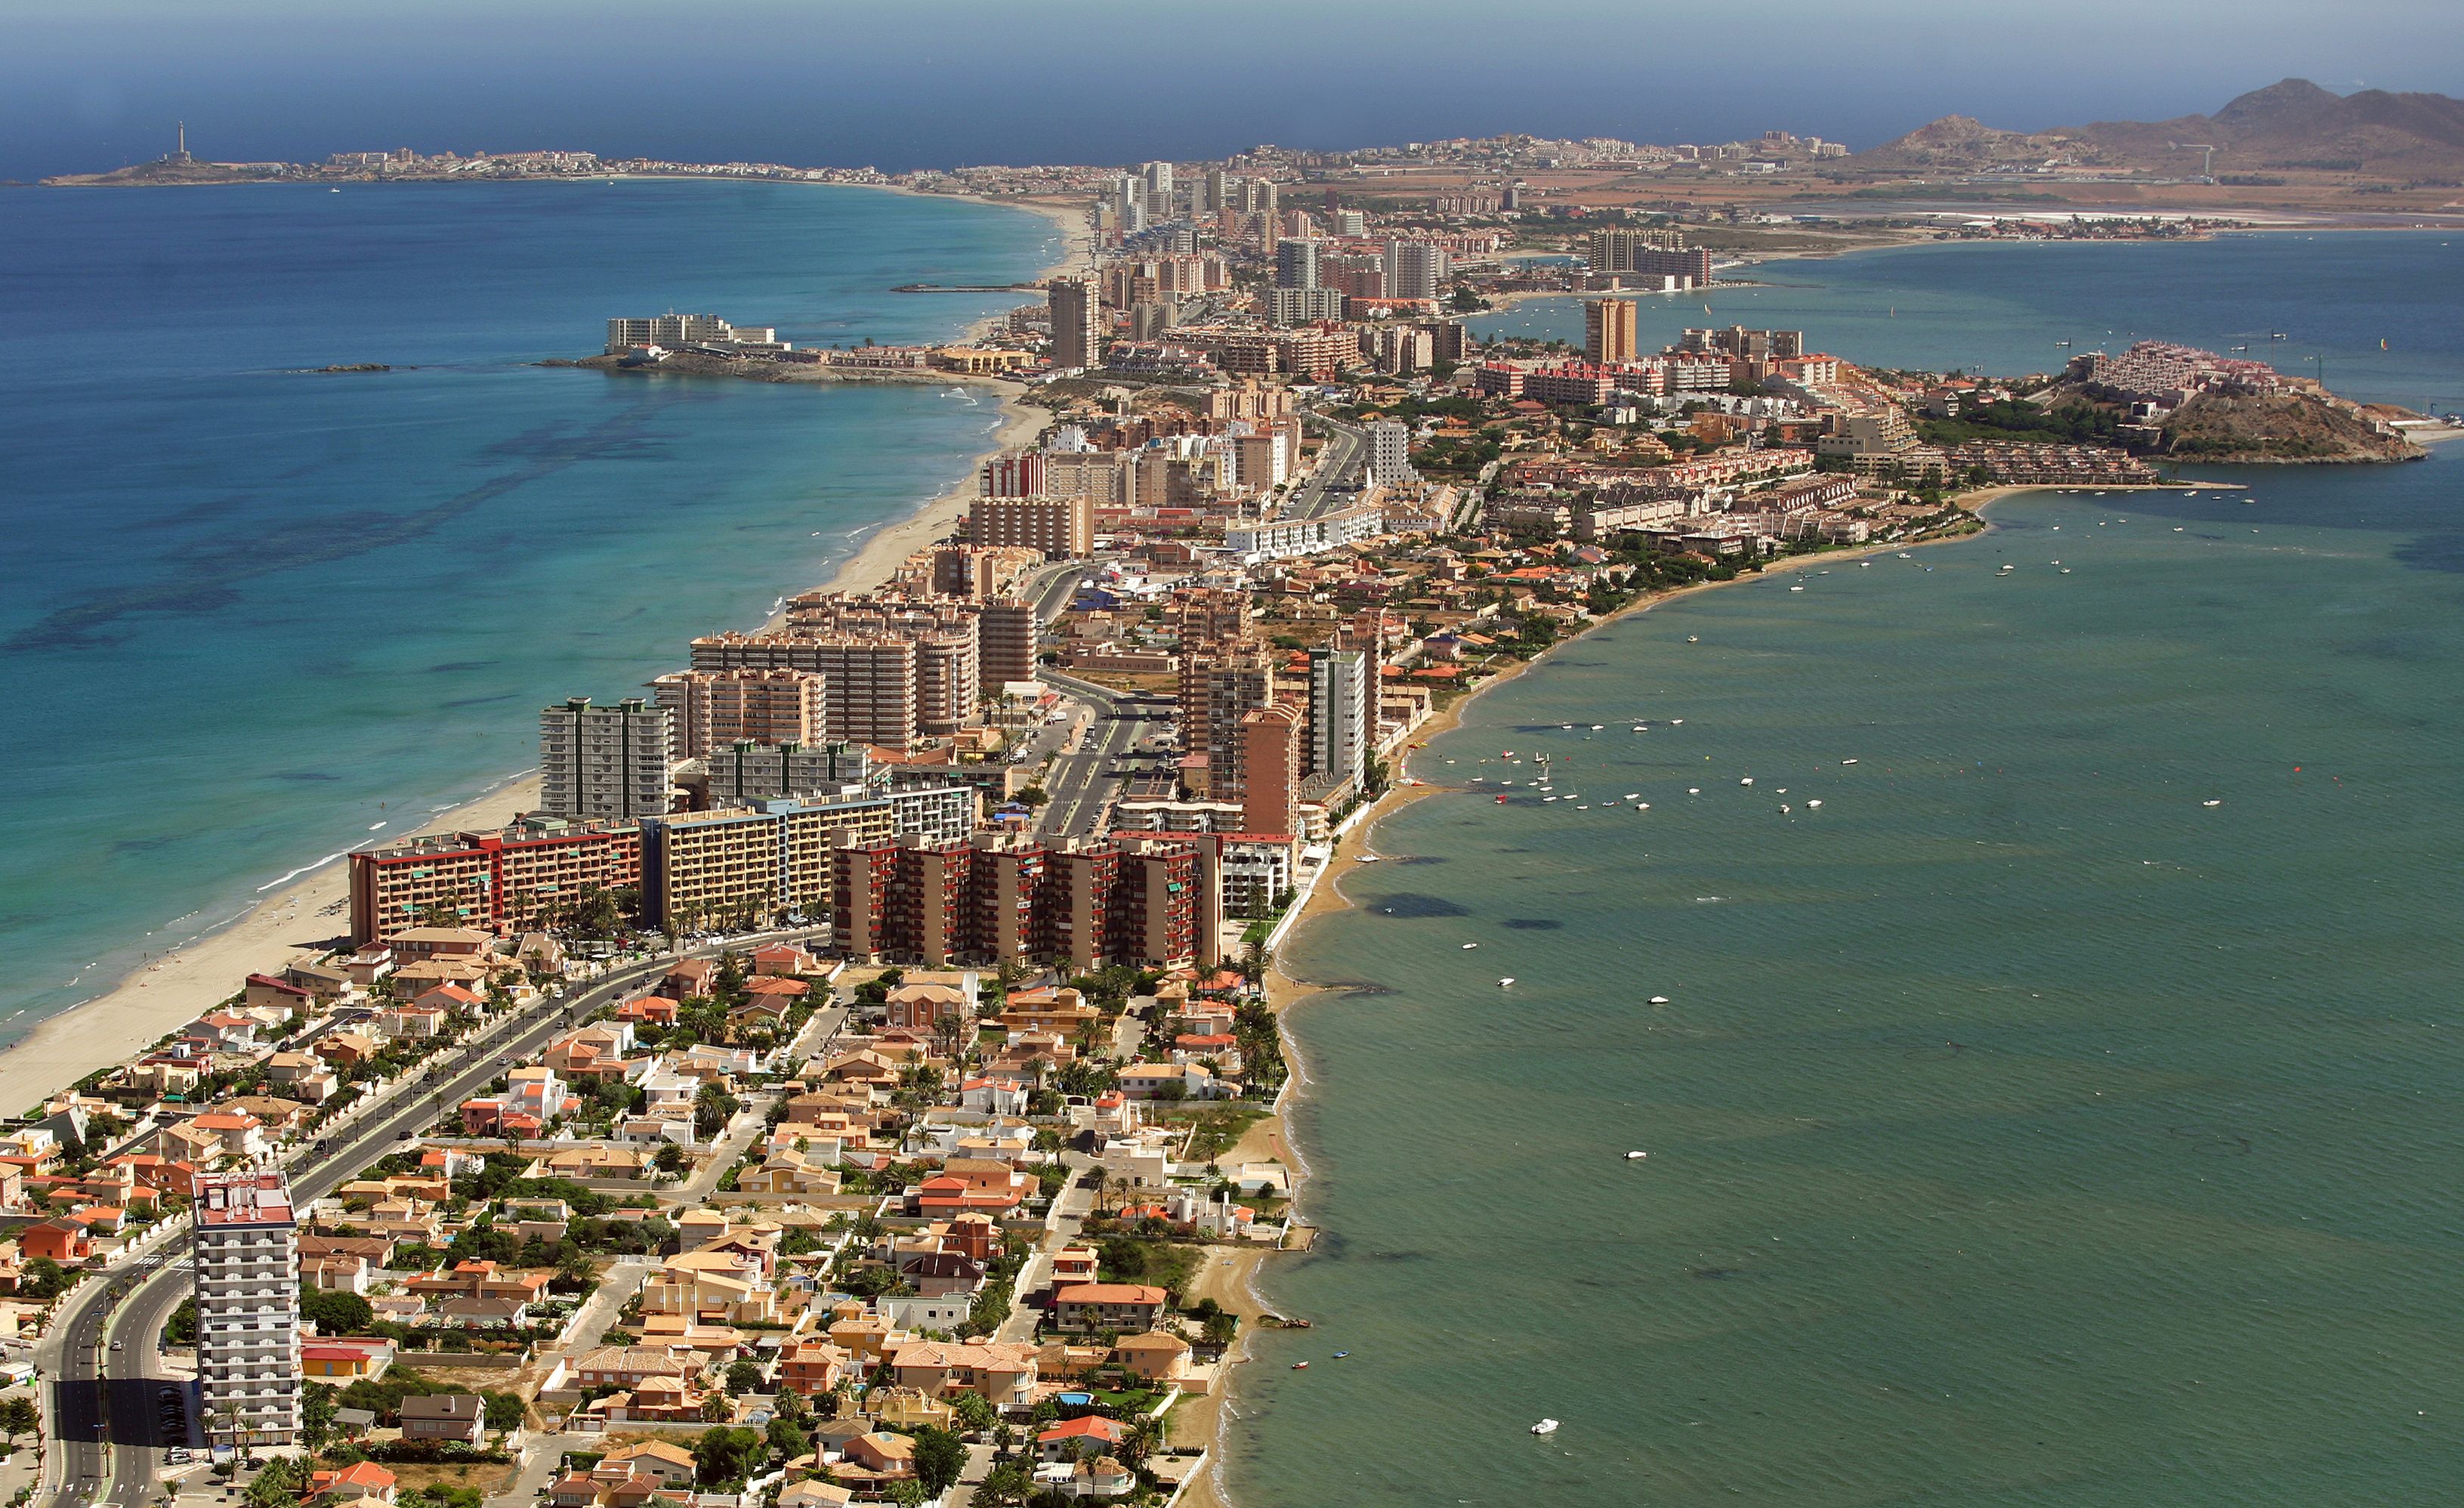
(1343, 709)
(1016, 475)
(1228, 685)
(1608, 331)
(1649, 253)
(1296, 262)
(1005, 637)
(1063, 528)
(745, 773)
(1271, 770)
(1390, 454)
(1416, 268)
(712, 709)
(604, 762)
(756, 862)
(248, 1309)
(1290, 306)
(1077, 323)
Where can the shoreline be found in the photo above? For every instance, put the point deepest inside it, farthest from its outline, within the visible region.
(285, 923)
(1271, 1136)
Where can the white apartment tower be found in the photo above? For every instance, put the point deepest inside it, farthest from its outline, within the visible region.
(1341, 715)
(606, 762)
(1414, 269)
(248, 1309)
(1390, 454)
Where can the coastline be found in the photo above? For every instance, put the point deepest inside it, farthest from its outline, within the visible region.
(1236, 1278)
(286, 923)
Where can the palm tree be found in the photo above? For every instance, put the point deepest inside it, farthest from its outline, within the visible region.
(1138, 1442)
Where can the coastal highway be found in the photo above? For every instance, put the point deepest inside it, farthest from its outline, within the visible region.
(102, 1399)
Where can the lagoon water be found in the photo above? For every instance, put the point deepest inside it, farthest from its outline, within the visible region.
(2023, 1129)
(249, 612)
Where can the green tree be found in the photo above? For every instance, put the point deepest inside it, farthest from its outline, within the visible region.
(743, 1376)
(278, 1484)
(940, 1456)
(504, 1410)
(1005, 1486)
(726, 1454)
(787, 1438)
(18, 1416)
(975, 1411)
(336, 1312)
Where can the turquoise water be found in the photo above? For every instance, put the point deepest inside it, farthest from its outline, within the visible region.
(2022, 1128)
(253, 612)
(2003, 307)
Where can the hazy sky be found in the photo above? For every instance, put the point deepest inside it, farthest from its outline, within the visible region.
(93, 83)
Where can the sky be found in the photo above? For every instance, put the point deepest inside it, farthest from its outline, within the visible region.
(92, 84)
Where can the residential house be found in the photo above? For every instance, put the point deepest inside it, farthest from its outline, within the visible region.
(360, 1482)
(1157, 1356)
(811, 1368)
(444, 1416)
(1004, 1375)
(1076, 1439)
(1128, 1307)
(782, 960)
(342, 1361)
(657, 1460)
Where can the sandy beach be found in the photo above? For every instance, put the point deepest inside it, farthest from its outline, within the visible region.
(310, 916)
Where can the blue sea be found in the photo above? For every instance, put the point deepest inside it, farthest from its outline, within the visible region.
(2035, 992)
(253, 615)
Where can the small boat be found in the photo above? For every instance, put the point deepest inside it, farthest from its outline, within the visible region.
(1370, 858)
(1847, 762)
(1596, 727)
(1544, 1427)
(1693, 790)
(1676, 722)
(1903, 555)
(1340, 1355)
(1501, 801)
(1504, 983)
(2066, 570)
(1634, 796)
(1636, 1157)
(1660, 1000)
(1691, 639)
(1748, 781)
(1300, 1366)
(1468, 946)
(1785, 808)
(1811, 804)
(1797, 589)
(1643, 806)
(2212, 803)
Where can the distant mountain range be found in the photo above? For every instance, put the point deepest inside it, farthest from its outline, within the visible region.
(2292, 127)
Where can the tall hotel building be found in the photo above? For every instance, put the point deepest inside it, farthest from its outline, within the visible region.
(248, 1309)
(1608, 331)
(1077, 322)
(512, 880)
(604, 762)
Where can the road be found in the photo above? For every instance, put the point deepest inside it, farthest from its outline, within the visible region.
(1347, 449)
(1081, 785)
(95, 1407)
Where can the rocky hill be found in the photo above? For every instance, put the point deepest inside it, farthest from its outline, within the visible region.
(2279, 427)
(2292, 125)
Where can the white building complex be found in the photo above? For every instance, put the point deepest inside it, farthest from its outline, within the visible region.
(248, 1309)
(606, 762)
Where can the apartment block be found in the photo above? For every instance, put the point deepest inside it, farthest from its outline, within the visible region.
(1608, 331)
(1077, 322)
(1006, 642)
(248, 1309)
(744, 773)
(1342, 714)
(604, 762)
(1271, 768)
(712, 709)
(512, 880)
(775, 857)
(1061, 528)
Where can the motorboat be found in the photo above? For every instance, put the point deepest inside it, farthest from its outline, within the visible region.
(1636, 1157)
(1504, 983)
(1544, 1427)
(1660, 1000)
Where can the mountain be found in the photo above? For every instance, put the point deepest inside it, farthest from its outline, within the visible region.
(2292, 125)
